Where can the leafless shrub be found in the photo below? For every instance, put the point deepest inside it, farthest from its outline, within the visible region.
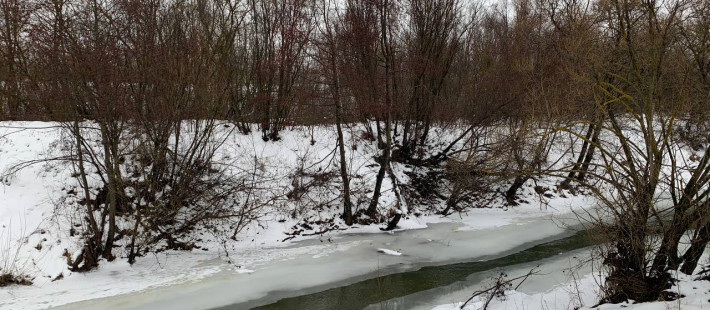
(501, 284)
(12, 265)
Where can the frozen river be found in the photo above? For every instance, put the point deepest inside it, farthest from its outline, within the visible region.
(429, 286)
(439, 262)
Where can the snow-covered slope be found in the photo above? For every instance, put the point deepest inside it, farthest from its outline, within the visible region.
(39, 229)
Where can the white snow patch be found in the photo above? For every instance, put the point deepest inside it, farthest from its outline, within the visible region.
(389, 252)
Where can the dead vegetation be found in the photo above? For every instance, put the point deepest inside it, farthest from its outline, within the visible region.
(10, 279)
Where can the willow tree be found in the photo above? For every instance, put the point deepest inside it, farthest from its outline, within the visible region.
(644, 174)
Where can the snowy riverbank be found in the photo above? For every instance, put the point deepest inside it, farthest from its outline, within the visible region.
(183, 280)
(38, 230)
(583, 292)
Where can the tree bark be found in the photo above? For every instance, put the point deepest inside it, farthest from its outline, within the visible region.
(384, 162)
(111, 176)
(697, 247)
(386, 152)
(582, 153)
(513, 189)
(667, 257)
(97, 233)
(590, 153)
(347, 203)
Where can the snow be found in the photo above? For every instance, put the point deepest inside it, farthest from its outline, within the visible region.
(584, 294)
(563, 297)
(696, 294)
(36, 229)
(310, 264)
(243, 270)
(389, 252)
(581, 290)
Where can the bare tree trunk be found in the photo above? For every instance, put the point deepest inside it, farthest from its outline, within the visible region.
(590, 153)
(380, 143)
(513, 189)
(385, 158)
(582, 153)
(667, 257)
(111, 176)
(425, 131)
(697, 247)
(134, 234)
(586, 155)
(392, 224)
(96, 231)
(347, 203)
(384, 161)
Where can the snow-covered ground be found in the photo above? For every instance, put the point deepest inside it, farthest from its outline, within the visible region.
(308, 266)
(181, 280)
(584, 293)
(571, 281)
(38, 229)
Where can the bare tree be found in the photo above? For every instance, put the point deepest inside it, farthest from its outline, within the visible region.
(434, 37)
(14, 20)
(329, 57)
